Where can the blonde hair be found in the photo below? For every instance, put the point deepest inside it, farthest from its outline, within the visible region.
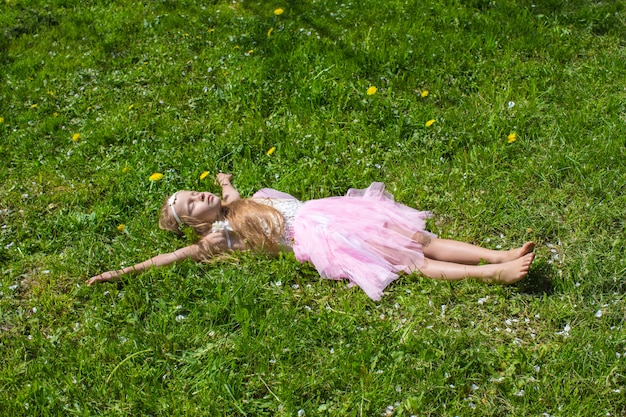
(259, 225)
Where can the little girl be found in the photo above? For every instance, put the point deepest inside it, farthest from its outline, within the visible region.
(364, 237)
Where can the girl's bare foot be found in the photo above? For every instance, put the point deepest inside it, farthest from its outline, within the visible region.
(511, 271)
(512, 254)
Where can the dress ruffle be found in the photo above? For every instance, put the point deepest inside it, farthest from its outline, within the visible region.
(364, 237)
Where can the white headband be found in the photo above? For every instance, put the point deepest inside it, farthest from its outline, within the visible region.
(170, 202)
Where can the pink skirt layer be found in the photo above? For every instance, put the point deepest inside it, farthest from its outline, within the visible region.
(364, 237)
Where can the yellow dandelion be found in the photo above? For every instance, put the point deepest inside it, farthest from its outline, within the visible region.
(33, 106)
(204, 175)
(131, 106)
(371, 90)
(271, 150)
(120, 227)
(511, 138)
(156, 176)
(250, 51)
(76, 137)
(424, 93)
(269, 32)
(211, 30)
(279, 11)
(125, 170)
(1, 119)
(430, 123)
(55, 114)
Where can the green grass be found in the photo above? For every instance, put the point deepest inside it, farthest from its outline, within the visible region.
(186, 87)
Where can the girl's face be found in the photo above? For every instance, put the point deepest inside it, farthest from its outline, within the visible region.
(200, 206)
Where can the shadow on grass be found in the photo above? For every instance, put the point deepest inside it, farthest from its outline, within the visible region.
(538, 281)
(297, 11)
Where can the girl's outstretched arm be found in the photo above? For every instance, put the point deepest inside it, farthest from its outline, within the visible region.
(159, 260)
(229, 193)
(210, 245)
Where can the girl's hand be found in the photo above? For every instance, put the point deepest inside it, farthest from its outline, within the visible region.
(224, 179)
(229, 193)
(107, 276)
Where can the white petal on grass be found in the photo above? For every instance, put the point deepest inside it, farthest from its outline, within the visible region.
(565, 331)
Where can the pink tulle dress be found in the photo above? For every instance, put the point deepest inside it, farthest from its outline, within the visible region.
(364, 236)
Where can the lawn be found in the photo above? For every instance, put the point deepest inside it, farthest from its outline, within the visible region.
(506, 119)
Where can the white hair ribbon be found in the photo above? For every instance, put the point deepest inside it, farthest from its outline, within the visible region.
(170, 202)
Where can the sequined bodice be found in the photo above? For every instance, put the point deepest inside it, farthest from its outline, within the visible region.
(288, 207)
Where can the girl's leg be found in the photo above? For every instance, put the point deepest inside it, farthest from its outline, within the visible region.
(505, 273)
(465, 253)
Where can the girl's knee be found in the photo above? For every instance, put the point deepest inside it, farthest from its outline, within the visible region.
(422, 238)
